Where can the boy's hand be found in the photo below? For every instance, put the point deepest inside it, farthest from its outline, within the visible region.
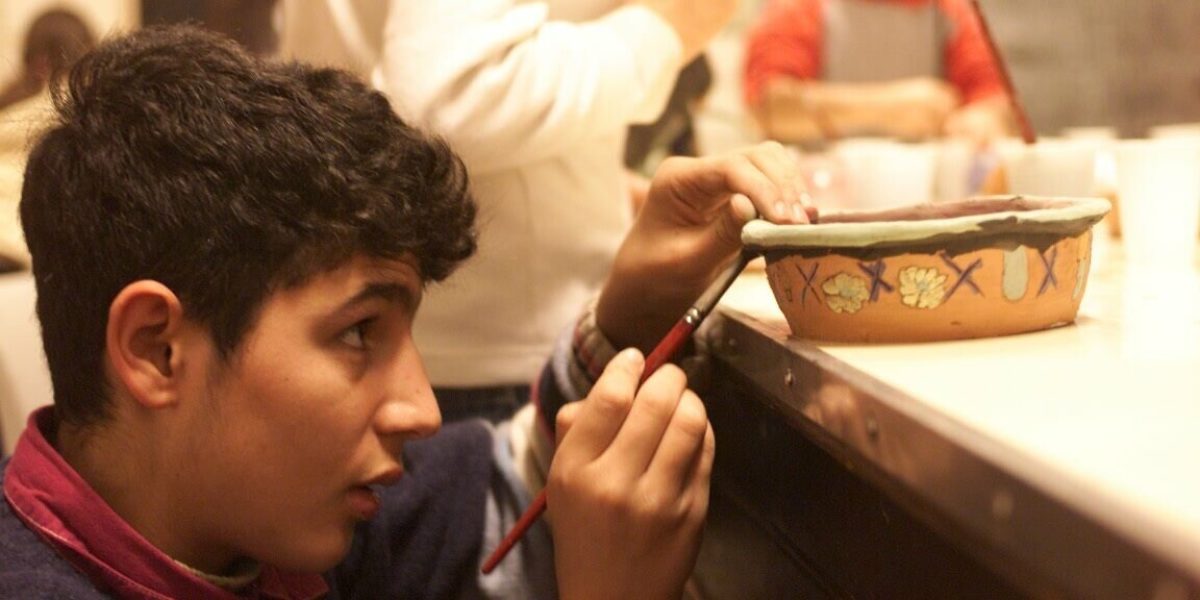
(628, 487)
(689, 229)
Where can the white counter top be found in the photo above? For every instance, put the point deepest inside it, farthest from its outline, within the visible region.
(1106, 409)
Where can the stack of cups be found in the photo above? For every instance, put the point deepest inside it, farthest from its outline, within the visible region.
(1158, 182)
(1064, 168)
(885, 174)
(1103, 139)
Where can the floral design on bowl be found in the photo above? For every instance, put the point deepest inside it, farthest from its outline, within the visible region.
(845, 292)
(922, 288)
(973, 268)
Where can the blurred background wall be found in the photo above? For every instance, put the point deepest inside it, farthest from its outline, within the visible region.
(250, 22)
(1127, 63)
(103, 16)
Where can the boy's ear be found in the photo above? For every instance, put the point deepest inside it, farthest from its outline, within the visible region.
(143, 342)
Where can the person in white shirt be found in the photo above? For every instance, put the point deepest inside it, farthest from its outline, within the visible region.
(536, 98)
(54, 40)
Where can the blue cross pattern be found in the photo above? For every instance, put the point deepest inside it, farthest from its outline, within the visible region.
(809, 278)
(1049, 279)
(875, 272)
(964, 275)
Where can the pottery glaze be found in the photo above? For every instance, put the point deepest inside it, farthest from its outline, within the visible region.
(974, 268)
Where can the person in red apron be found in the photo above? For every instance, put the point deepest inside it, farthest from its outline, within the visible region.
(908, 69)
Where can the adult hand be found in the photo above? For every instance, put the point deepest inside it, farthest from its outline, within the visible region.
(981, 122)
(921, 106)
(689, 229)
(628, 486)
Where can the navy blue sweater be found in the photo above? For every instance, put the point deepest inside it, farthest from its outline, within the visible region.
(425, 542)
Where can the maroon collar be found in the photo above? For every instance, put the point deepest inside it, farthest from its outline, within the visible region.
(54, 501)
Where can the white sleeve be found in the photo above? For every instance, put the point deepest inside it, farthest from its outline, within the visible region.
(528, 570)
(506, 86)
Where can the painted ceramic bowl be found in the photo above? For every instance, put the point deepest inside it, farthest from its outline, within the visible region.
(967, 269)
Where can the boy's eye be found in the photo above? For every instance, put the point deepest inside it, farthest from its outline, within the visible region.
(356, 335)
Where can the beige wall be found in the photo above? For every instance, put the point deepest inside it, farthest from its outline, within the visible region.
(1128, 63)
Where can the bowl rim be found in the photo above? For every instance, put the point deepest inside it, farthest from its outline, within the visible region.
(1073, 214)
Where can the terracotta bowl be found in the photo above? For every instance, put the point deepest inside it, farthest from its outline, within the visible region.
(967, 269)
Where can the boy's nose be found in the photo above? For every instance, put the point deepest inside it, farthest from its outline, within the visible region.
(410, 408)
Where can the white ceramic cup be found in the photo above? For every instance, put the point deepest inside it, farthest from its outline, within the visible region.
(1049, 167)
(1158, 183)
(1176, 130)
(954, 181)
(885, 174)
(1090, 132)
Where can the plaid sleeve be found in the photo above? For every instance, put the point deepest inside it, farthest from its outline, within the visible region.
(579, 357)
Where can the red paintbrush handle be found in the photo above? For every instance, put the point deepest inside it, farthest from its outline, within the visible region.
(670, 344)
(531, 514)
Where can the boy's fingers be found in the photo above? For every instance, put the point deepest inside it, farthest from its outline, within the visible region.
(780, 167)
(742, 210)
(744, 176)
(768, 174)
(683, 442)
(565, 420)
(638, 440)
(607, 405)
(751, 192)
(696, 485)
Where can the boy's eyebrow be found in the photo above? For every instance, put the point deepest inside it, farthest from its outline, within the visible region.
(392, 292)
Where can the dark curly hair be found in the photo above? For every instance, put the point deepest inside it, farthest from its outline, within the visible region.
(178, 157)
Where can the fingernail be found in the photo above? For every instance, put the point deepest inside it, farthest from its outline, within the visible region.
(780, 209)
(631, 356)
(798, 213)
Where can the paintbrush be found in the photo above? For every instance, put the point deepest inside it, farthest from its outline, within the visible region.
(1027, 132)
(662, 353)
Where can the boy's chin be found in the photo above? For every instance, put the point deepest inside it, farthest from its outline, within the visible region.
(316, 556)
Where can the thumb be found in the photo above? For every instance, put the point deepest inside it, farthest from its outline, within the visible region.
(728, 227)
(742, 209)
